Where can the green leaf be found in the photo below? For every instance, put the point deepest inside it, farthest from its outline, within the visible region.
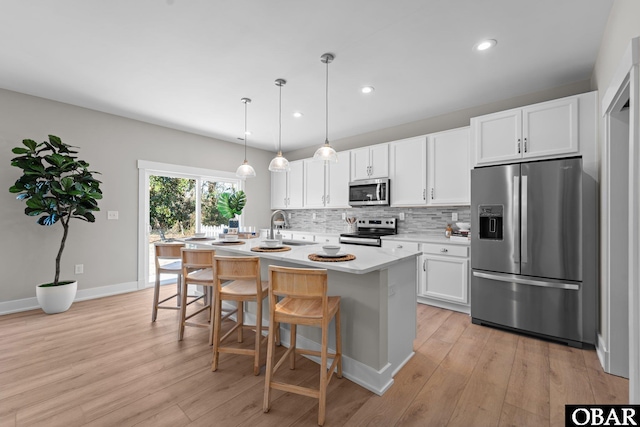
(30, 144)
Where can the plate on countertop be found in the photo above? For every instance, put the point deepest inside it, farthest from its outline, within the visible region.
(326, 255)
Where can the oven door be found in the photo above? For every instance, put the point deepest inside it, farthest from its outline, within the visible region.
(369, 192)
(356, 240)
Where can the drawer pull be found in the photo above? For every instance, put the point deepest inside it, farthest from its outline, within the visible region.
(399, 246)
(444, 250)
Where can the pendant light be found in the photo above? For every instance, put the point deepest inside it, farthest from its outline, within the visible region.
(245, 170)
(326, 152)
(279, 163)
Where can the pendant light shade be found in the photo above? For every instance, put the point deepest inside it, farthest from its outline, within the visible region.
(326, 152)
(279, 163)
(245, 170)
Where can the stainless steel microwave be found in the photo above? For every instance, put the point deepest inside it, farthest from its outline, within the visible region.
(374, 192)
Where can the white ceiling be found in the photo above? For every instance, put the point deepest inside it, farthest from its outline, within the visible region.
(185, 64)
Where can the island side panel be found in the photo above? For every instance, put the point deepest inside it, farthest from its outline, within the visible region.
(402, 303)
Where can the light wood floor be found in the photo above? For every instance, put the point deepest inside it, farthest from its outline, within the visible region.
(103, 363)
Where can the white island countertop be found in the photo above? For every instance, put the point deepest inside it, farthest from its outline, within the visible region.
(368, 258)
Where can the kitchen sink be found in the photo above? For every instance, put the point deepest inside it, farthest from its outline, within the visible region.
(297, 243)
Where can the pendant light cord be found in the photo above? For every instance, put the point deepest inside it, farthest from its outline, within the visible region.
(326, 139)
(245, 131)
(280, 122)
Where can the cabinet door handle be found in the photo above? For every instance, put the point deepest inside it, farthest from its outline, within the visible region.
(525, 145)
(424, 194)
(328, 198)
(518, 145)
(399, 246)
(424, 265)
(431, 193)
(285, 201)
(322, 199)
(444, 250)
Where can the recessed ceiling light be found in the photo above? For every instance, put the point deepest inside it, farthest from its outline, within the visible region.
(297, 114)
(367, 89)
(485, 44)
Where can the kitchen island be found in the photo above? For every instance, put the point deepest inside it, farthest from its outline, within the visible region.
(378, 305)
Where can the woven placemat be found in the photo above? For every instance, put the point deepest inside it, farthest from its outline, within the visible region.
(198, 239)
(259, 249)
(347, 257)
(239, 242)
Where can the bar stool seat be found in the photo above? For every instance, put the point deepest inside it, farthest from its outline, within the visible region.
(198, 269)
(168, 261)
(245, 285)
(304, 302)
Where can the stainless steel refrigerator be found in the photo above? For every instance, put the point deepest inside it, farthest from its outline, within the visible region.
(531, 268)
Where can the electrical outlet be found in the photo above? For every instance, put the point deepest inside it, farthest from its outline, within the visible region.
(313, 216)
(112, 215)
(344, 215)
(79, 268)
(401, 216)
(454, 216)
(288, 215)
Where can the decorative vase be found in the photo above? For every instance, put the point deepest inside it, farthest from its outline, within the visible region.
(56, 299)
(234, 224)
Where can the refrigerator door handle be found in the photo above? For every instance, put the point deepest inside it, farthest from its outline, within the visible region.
(516, 219)
(521, 281)
(523, 227)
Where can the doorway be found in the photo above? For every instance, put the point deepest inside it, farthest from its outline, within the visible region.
(620, 202)
(175, 202)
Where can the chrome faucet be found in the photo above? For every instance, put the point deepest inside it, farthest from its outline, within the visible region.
(273, 215)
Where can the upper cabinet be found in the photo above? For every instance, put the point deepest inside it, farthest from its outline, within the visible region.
(370, 162)
(431, 170)
(326, 184)
(287, 188)
(448, 168)
(548, 129)
(408, 167)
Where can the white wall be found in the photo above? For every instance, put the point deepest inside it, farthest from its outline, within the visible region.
(112, 145)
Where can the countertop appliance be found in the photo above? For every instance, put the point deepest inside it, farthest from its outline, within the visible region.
(532, 267)
(369, 192)
(370, 230)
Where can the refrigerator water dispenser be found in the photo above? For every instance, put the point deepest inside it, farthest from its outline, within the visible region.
(491, 221)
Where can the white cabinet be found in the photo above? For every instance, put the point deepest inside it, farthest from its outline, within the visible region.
(431, 170)
(444, 276)
(370, 162)
(323, 239)
(287, 188)
(548, 129)
(408, 171)
(449, 171)
(326, 184)
(299, 235)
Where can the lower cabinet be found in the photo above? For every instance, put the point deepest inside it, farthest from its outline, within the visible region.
(444, 276)
(443, 273)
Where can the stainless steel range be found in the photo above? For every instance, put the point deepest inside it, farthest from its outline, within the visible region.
(370, 230)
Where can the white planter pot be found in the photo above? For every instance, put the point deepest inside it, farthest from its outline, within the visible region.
(56, 299)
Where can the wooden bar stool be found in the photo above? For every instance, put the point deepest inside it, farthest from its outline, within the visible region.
(304, 302)
(246, 285)
(198, 269)
(168, 261)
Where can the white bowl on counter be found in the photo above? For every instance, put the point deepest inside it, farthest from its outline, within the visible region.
(230, 237)
(331, 249)
(271, 243)
(200, 235)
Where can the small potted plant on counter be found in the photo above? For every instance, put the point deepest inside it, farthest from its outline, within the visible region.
(230, 205)
(56, 187)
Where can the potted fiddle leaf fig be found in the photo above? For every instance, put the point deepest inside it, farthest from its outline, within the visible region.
(230, 205)
(56, 187)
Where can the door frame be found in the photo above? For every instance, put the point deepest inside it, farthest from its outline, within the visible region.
(627, 77)
(145, 170)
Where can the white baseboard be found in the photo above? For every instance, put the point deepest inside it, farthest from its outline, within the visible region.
(15, 306)
(603, 354)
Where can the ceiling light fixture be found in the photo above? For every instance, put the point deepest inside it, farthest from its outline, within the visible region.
(297, 114)
(367, 89)
(279, 163)
(326, 152)
(485, 44)
(245, 170)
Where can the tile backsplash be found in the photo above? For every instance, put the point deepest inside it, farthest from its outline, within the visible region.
(416, 219)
